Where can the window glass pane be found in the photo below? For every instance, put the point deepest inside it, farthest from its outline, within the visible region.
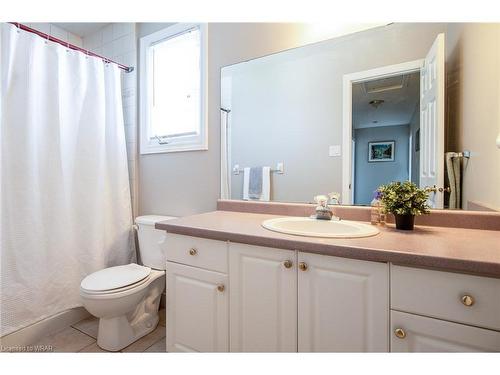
(176, 85)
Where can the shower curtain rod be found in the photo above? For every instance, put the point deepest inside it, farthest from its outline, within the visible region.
(127, 69)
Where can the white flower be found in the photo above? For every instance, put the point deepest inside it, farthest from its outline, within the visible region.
(321, 200)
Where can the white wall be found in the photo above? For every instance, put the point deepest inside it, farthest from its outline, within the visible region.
(276, 116)
(118, 42)
(473, 91)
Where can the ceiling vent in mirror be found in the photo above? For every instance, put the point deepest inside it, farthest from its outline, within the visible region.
(385, 84)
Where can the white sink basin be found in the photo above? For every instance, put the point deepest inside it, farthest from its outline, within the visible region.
(305, 226)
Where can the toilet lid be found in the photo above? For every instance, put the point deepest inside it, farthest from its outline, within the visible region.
(115, 277)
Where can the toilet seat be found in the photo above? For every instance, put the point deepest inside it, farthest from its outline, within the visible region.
(115, 279)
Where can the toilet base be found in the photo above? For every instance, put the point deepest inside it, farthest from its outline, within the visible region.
(117, 333)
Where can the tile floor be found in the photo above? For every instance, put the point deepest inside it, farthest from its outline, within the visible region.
(81, 337)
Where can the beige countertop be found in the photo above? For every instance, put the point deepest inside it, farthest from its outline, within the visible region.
(455, 249)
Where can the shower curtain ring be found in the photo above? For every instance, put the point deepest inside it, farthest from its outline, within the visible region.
(18, 27)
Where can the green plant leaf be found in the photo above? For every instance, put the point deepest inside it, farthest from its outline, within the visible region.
(404, 198)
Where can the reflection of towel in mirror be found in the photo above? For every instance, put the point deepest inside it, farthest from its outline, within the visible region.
(454, 170)
(257, 183)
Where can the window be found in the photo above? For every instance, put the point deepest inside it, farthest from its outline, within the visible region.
(173, 90)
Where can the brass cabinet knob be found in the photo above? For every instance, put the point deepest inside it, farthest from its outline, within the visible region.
(288, 264)
(467, 300)
(400, 333)
(193, 251)
(303, 266)
(221, 287)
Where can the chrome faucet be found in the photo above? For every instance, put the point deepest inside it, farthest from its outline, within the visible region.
(323, 211)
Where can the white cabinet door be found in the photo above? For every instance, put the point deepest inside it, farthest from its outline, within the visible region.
(263, 299)
(343, 304)
(421, 334)
(197, 310)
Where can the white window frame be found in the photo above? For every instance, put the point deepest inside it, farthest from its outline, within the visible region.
(178, 143)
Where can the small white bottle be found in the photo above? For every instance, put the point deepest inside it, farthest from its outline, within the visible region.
(377, 215)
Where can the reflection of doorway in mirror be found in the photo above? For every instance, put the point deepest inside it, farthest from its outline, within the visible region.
(385, 114)
(404, 102)
(379, 105)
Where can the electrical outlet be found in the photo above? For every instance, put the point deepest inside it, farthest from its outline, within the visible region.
(334, 150)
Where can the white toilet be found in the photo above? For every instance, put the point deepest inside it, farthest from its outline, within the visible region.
(126, 298)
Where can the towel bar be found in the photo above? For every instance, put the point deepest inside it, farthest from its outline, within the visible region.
(464, 154)
(279, 169)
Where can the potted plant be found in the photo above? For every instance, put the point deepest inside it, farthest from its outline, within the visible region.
(404, 200)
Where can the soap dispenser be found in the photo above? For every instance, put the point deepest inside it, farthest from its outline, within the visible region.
(377, 214)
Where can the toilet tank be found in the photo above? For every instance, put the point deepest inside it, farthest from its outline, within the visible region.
(150, 241)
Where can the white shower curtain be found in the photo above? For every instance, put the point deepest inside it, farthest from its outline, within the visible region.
(65, 197)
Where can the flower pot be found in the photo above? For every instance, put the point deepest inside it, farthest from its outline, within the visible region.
(404, 222)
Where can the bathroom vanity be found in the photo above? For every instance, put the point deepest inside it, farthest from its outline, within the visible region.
(235, 286)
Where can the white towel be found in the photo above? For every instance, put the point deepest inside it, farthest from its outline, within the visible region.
(266, 184)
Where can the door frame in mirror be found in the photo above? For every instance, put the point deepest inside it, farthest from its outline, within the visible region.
(348, 81)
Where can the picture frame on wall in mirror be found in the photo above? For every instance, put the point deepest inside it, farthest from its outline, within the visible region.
(381, 151)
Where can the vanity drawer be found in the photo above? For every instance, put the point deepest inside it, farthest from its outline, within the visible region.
(415, 333)
(451, 296)
(197, 252)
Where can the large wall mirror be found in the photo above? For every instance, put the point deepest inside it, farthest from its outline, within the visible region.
(393, 103)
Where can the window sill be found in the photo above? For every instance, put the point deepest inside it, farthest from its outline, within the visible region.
(164, 150)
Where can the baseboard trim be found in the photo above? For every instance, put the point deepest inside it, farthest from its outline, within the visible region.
(31, 334)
